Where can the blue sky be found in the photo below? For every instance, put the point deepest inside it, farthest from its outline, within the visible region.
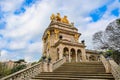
(22, 23)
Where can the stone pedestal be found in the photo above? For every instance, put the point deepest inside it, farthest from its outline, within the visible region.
(45, 67)
(50, 67)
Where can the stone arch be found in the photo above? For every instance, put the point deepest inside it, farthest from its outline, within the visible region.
(79, 55)
(92, 58)
(73, 55)
(65, 51)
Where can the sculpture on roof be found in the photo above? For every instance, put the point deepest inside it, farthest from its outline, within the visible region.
(52, 17)
(57, 17)
(65, 20)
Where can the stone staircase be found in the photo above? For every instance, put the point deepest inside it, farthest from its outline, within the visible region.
(77, 71)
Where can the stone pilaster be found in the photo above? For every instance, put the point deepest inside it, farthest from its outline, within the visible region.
(83, 54)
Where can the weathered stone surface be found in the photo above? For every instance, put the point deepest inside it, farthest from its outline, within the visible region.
(63, 40)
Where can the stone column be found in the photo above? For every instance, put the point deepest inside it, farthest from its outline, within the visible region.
(83, 54)
(61, 53)
(69, 56)
(76, 57)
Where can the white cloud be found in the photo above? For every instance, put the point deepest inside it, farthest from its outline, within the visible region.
(92, 27)
(31, 24)
(10, 5)
(4, 55)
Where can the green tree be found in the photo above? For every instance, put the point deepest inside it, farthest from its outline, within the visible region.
(18, 68)
(116, 56)
(4, 71)
(20, 61)
(109, 39)
(33, 63)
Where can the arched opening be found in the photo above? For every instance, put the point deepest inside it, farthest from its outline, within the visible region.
(79, 55)
(73, 56)
(66, 53)
(92, 58)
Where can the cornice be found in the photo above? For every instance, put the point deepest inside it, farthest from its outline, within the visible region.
(66, 42)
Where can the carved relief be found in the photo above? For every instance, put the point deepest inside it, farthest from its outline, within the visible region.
(48, 33)
(56, 33)
(76, 36)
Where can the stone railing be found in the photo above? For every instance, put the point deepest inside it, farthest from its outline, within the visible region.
(50, 67)
(25, 74)
(28, 73)
(58, 63)
(105, 63)
(115, 69)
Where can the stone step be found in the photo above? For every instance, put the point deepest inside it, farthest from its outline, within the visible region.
(92, 74)
(78, 76)
(81, 76)
(73, 78)
(67, 79)
(72, 67)
(92, 62)
(80, 72)
(77, 71)
(82, 66)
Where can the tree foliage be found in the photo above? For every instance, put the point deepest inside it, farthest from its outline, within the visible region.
(116, 56)
(109, 39)
(99, 40)
(20, 61)
(4, 71)
(17, 68)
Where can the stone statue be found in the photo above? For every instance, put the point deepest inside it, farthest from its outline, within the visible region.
(52, 17)
(65, 20)
(76, 36)
(56, 33)
(58, 18)
(48, 32)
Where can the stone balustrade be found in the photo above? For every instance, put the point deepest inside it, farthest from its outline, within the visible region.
(29, 72)
(115, 69)
(58, 63)
(105, 63)
(111, 67)
(25, 74)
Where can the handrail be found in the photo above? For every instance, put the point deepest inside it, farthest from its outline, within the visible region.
(105, 63)
(115, 69)
(58, 63)
(25, 74)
